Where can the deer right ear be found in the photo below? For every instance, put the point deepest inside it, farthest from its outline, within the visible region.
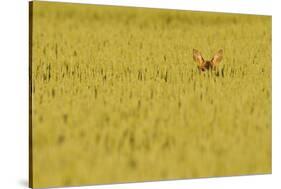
(197, 57)
(217, 58)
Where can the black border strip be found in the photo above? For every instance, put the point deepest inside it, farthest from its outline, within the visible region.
(30, 183)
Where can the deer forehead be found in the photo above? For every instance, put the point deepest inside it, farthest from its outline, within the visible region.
(207, 63)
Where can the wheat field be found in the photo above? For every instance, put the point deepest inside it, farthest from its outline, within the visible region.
(116, 96)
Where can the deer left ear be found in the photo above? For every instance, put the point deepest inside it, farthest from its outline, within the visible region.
(198, 58)
(217, 58)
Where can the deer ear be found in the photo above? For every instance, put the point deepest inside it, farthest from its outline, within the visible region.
(217, 58)
(197, 57)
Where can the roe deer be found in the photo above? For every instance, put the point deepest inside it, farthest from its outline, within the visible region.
(204, 65)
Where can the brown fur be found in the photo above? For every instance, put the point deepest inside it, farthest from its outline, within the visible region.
(204, 65)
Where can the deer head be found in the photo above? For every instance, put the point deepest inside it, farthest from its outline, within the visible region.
(204, 65)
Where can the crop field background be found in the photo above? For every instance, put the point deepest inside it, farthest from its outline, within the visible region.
(116, 96)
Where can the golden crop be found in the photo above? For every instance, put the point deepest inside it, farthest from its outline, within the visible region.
(117, 97)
